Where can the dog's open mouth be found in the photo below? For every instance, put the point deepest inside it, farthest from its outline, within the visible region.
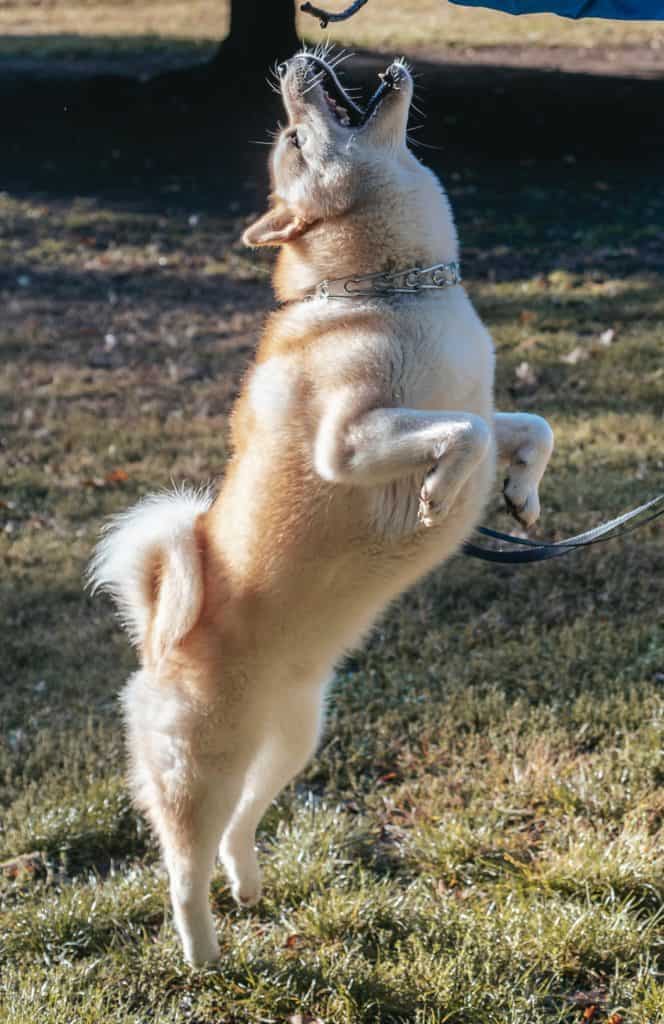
(343, 108)
(346, 112)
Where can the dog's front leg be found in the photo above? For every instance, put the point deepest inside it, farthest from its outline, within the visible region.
(386, 444)
(525, 442)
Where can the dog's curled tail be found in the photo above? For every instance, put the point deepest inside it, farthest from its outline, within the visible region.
(150, 561)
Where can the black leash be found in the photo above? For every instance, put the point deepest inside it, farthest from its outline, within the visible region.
(537, 552)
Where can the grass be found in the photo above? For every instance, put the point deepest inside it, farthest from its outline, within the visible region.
(480, 838)
(85, 27)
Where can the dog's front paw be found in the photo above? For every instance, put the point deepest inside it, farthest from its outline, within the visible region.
(521, 497)
(527, 465)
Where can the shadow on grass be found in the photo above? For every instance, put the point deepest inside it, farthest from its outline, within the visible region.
(73, 130)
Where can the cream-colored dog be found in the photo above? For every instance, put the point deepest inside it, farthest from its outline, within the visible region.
(365, 445)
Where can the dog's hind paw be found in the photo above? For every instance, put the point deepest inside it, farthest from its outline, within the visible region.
(201, 950)
(247, 893)
(243, 872)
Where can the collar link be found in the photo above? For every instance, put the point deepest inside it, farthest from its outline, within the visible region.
(396, 282)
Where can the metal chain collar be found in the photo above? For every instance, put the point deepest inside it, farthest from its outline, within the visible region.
(396, 282)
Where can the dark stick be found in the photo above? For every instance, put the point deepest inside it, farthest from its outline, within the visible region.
(326, 17)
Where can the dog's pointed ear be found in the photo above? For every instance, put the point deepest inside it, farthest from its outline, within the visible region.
(279, 225)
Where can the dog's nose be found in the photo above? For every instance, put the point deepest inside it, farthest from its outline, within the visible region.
(282, 69)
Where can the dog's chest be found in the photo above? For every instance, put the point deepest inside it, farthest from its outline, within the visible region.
(272, 391)
(446, 361)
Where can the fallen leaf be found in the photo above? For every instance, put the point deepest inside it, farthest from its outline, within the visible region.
(577, 355)
(293, 941)
(615, 1018)
(525, 375)
(117, 476)
(25, 866)
(589, 1012)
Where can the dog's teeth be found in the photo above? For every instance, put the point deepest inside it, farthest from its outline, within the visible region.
(337, 109)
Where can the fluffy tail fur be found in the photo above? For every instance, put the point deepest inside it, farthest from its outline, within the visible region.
(150, 562)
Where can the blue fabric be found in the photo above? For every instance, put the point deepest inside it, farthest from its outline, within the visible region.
(623, 10)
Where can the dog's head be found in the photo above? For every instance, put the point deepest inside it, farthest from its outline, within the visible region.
(322, 161)
(346, 190)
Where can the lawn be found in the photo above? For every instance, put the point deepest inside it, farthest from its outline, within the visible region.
(480, 838)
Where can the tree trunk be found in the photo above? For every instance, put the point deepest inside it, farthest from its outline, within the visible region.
(262, 32)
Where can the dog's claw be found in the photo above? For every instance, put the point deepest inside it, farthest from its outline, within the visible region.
(431, 512)
(427, 513)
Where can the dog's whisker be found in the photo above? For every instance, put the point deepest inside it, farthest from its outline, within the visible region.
(315, 81)
(423, 145)
(340, 58)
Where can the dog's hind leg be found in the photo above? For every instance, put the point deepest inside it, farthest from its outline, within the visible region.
(291, 731)
(189, 835)
(187, 772)
(525, 442)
